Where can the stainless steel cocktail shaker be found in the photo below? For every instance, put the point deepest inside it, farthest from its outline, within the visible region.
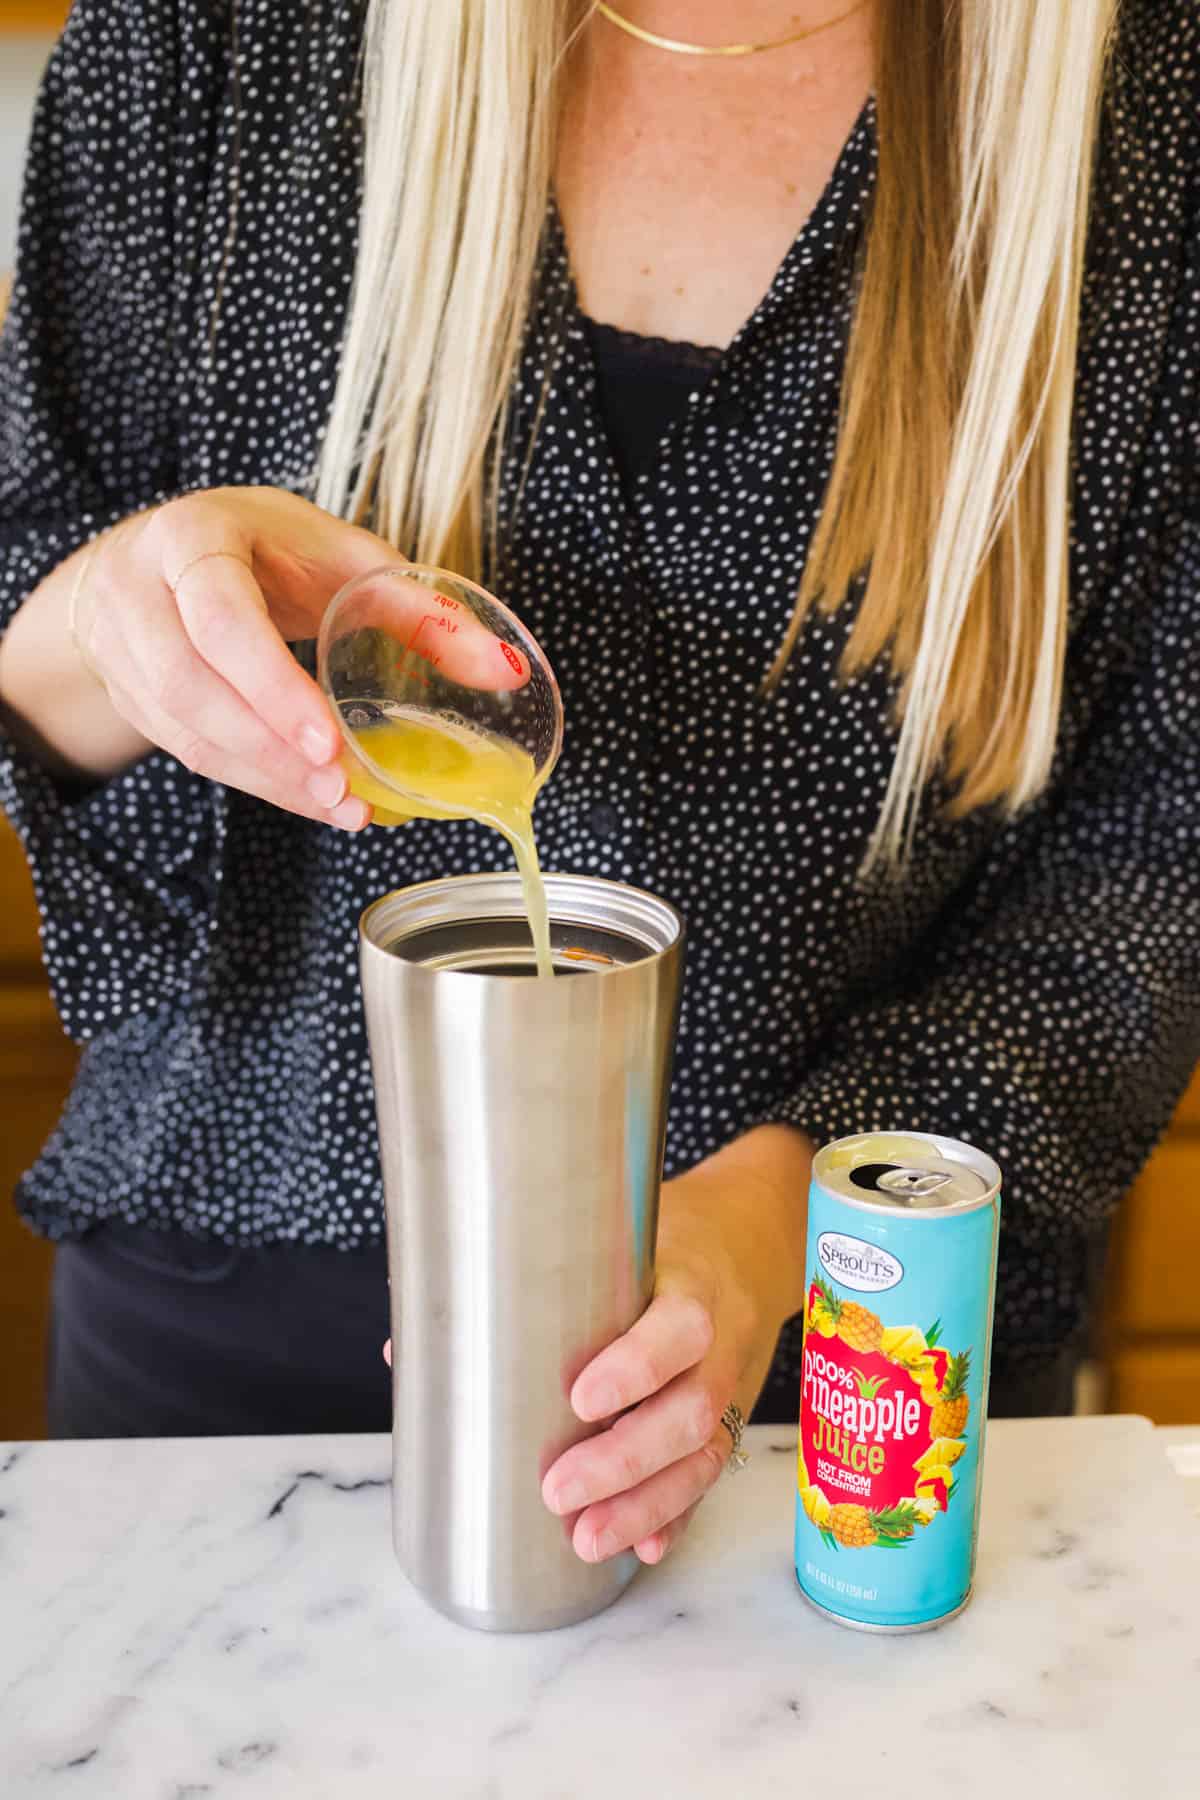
(521, 1126)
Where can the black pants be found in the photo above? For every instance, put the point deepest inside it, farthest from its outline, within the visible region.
(157, 1334)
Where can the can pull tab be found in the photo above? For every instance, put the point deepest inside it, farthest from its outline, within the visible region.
(895, 1178)
(912, 1181)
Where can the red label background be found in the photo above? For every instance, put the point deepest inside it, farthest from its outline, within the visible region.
(898, 1479)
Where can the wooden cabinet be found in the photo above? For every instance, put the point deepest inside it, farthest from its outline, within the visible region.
(36, 1059)
(33, 15)
(20, 959)
(36, 1065)
(1151, 1327)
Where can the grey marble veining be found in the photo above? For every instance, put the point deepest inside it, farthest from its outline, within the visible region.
(186, 1619)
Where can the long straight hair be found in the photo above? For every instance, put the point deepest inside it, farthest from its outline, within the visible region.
(948, 506)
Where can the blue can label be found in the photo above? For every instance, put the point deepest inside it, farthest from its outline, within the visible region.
(897, 1334)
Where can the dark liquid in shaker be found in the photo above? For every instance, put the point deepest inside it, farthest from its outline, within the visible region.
(523, 969)
(504, 947)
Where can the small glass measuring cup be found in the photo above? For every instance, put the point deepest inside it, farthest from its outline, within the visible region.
(414, 645)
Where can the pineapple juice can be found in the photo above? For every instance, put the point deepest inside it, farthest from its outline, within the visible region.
(901, 1281)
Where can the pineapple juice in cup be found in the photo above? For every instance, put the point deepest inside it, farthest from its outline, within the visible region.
(901, 1272)
(448, 709)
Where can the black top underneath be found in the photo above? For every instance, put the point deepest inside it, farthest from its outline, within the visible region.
(643, 384)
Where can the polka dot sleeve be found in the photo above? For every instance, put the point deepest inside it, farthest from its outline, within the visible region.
(125, 875)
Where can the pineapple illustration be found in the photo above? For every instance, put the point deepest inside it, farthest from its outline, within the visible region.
(860, 1329)
(949, 1416)
(851, 1526)
(857, 1528)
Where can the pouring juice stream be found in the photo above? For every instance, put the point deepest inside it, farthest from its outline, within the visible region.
(403, 653)
(451, 771)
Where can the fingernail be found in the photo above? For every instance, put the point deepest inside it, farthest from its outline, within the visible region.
(568, 1499)
(318, 746)
(351, 815)
(327, 787)
(651, 1551)
(513, 658)
(604, 1545)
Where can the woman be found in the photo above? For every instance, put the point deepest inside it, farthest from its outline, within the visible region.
(588, 330)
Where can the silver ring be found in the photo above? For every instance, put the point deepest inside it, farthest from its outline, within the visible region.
(735, 1424)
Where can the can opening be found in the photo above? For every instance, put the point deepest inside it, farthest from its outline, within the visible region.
(476, 924)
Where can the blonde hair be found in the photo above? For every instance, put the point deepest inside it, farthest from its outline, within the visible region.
(949, 498)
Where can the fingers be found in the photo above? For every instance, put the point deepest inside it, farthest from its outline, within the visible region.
(433, 630)
(223, 614)
(202, 551)
(189, 609)
(652, 1514)
(191, 703)
(635, 1485)
(672, 1425)
(300, 555)
(653, 1548)
(204, 674)
(672, 1335)
(279, 776)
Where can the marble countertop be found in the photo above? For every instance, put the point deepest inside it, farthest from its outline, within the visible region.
(225, 1618)
(1183, 1449)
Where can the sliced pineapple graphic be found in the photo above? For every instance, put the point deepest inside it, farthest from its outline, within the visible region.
(926, 1508)
(904, 1344)
(927, 1492)
(816, 1506)
(818, 1316)
(943, 1453)
(937, 1464)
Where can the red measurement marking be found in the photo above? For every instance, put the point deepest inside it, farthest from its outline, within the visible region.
(411, 649)
(447, 602)
(512, 659)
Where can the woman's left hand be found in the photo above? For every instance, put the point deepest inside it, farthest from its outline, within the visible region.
(730, 1270)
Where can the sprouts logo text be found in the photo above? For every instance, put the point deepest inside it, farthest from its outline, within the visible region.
(867, 1268)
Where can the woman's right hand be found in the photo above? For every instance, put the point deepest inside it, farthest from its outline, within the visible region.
(185, 613)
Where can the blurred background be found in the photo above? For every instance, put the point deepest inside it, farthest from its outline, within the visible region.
(1146, 1356)
(27, 32)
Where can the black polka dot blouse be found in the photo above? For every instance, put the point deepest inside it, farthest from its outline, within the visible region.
(1033, 987)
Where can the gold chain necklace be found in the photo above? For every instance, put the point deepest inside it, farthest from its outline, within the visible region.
(682, 49)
